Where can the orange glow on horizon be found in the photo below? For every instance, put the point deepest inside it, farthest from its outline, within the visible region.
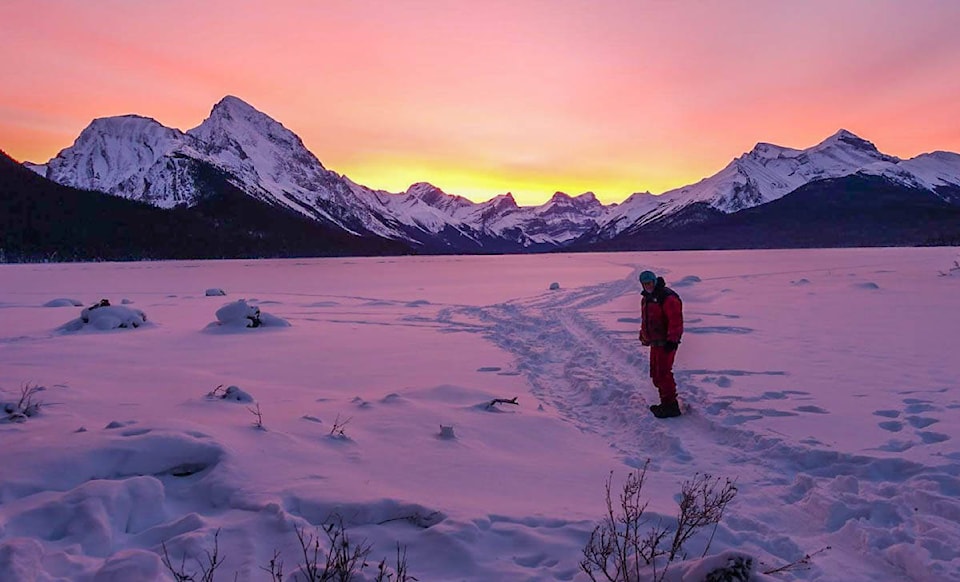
(521, 96)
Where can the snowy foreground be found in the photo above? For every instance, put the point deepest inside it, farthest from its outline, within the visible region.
(824, 382)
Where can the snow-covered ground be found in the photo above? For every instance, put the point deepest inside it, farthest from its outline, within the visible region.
(823, 381)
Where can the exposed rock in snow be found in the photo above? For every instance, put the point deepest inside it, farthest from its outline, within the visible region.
(242, 315)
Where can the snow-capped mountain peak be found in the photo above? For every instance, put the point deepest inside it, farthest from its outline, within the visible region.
(129, 155)
(769, 151)
(437, 198)
(240, 134)
(560, 203)
(845, 148)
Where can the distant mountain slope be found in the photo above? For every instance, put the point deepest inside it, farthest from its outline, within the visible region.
(138, 158)
(856, 210)
(43, 220)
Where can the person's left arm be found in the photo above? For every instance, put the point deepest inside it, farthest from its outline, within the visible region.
(673, 309)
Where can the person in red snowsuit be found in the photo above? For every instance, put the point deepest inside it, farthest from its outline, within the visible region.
(661, 326)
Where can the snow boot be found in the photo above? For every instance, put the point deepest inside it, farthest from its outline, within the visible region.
(669, 410)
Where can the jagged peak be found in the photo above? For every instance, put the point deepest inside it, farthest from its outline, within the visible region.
(845, 138)
(124, 129)
(765, 150)
(231, 103)
(420, 188)
(637, 196)
(562, 198)
(231, 110)
(504, 200)
(123, 124)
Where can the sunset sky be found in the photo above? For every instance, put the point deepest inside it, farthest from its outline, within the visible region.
(486, 97)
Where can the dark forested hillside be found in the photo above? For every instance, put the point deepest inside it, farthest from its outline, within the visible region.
(42, 220)
(853, 211)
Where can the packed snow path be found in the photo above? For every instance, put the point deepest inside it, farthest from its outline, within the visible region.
(888, 515)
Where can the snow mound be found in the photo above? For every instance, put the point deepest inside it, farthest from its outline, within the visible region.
(233, 394)
(215, 292)
(62, 302)
(728, 566)
(240, 315)
(687, 281)
(103, 317)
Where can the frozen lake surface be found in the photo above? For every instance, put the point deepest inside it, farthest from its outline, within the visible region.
(823, 381)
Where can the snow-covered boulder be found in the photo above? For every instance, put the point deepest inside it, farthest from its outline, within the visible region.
(215, 292)
(240, 315)
(554, 286)
(103, 316)
(235, 394)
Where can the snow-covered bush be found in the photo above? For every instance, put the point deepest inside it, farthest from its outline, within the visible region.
(240, 314)
(103, 316)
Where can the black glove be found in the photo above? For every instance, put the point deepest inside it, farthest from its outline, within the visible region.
(670, 346)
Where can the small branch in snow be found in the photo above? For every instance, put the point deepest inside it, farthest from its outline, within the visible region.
(496, 401)
(256, 412)
(338, 426)
(801, 564)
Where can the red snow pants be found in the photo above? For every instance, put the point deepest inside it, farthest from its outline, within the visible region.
(661, 371)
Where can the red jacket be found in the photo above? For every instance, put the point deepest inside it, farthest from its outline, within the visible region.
(662, 315)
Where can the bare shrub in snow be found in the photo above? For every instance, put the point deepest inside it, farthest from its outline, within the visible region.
(26, 406)
(400, 571)
(258, 423)
(342, 559)
(338, 427)
(274, 567)
(702, 502)
(216, 392)
(622, 548)
(208, 567)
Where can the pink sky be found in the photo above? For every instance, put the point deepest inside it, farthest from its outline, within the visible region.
(481, 98)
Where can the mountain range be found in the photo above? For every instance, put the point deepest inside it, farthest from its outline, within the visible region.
(241, 184)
